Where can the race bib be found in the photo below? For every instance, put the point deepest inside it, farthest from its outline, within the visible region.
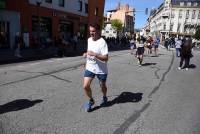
(91, 60)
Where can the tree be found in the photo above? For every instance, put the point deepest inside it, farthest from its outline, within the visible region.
(197, 34)
(103, 25)
(116, 24)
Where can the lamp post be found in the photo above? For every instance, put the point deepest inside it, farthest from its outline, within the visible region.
(38, 3)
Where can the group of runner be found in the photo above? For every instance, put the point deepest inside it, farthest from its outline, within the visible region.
(138, 45)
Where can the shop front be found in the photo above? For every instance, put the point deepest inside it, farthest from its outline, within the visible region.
(41, 31)
(66, 29)
(4, 34)
(9, 27)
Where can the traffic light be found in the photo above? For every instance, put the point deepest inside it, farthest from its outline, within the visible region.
(146, 11)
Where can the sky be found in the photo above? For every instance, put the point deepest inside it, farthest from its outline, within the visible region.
(139, 5)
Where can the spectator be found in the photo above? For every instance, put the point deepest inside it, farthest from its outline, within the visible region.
(18, 44)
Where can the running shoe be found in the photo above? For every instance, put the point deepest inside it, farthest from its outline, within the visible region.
(104, 101)
(88, 105)
(186, 69)
(179, 68)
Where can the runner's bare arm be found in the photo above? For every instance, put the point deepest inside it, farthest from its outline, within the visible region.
(98, 56)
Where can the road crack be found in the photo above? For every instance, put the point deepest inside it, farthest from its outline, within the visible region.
(123, 127)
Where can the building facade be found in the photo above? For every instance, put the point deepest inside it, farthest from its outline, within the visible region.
(47, 19)
(125, 14)
(175, 17)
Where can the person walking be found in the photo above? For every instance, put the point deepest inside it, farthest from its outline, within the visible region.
(60, 46)
(185, 54)
(140, 50)
(18, 43)
(75, 41)
(132, 43)
(156, 45)
(178, 43)
(96, 65)
(149, 44)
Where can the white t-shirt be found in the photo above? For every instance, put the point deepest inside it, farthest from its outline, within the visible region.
(178, 43)
(140, 45)
(93, 64)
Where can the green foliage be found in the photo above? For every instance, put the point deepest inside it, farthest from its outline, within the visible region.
(197, 34)
(116, 24)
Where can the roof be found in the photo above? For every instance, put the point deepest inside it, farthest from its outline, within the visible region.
(112, 10)
(175, 2)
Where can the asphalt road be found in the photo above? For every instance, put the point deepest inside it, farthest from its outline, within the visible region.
(46, 97)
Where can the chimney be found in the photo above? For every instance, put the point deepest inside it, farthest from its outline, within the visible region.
(119, 5)
(127, 7)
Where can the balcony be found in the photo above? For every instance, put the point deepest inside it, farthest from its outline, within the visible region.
(165, 15)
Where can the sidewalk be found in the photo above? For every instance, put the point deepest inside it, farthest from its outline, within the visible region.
(30, 54)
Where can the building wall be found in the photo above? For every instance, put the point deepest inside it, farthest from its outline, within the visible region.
(125, 14)
(93, 18)
(69, 13)
(169, 15)
(71, 6)
(120, 15)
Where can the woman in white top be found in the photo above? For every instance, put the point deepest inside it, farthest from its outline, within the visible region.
(178, 44)
(132, 45)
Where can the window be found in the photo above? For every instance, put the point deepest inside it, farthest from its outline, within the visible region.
(189, 4)
(96, 11)
(199, 15)
(173, 14)
(86, 7)
(80, 5)
(179, 27)
(194, 14)
(61, 3)
(181, 3)
(185, 29)
(48, 1)
(171, 27)
(187, 14)
(164, 27)
(180, 13)
(195, 4)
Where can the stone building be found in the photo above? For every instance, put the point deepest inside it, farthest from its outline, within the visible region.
(125, 14)
(174, 17)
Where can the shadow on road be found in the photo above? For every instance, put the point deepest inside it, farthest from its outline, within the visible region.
(154, 56)
(148, 64)
(124, 97)
(192, 66)
(17, 105)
